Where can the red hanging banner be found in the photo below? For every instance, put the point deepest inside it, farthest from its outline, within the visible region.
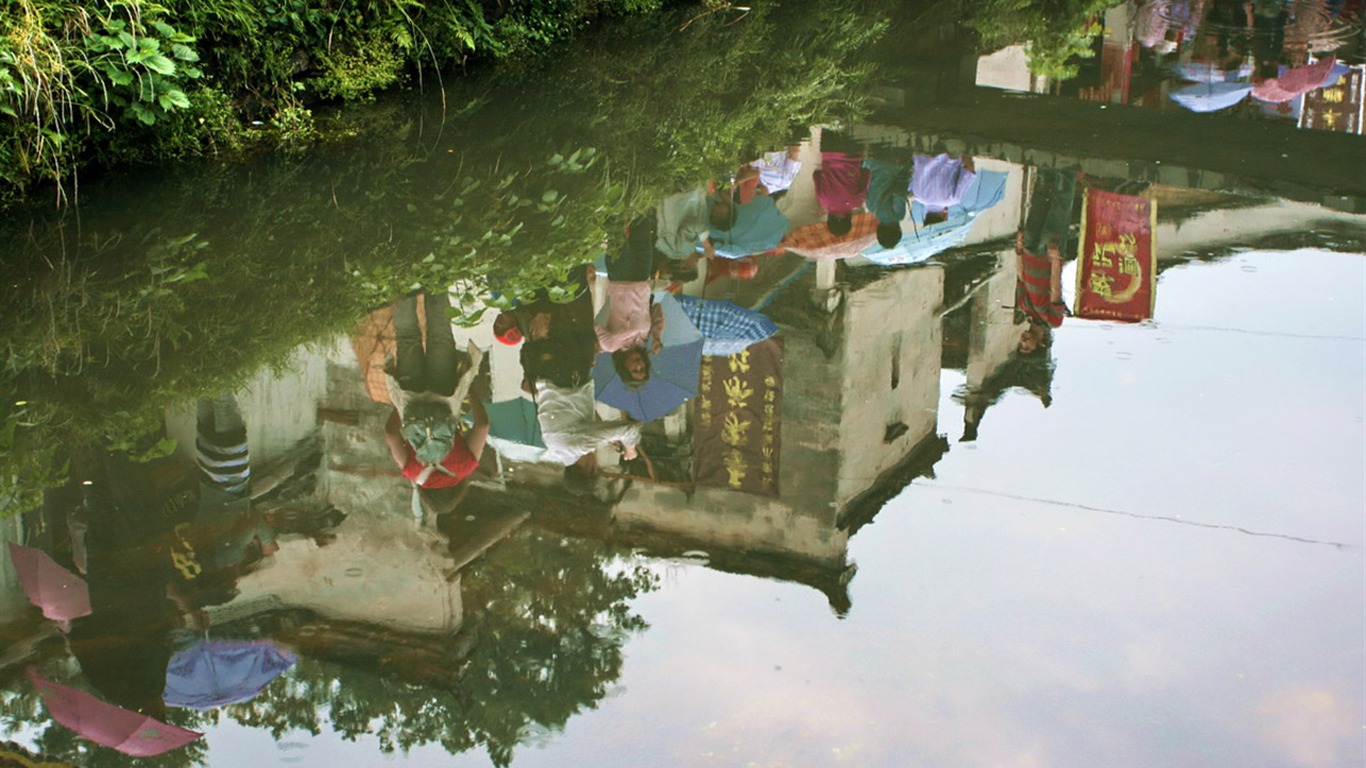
(1117, 265)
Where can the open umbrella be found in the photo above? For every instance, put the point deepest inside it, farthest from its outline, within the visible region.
(673, 372)
(727, 329)
(759, 226)
(1211, 96)
(61, 594)
(515, 420)
(1296, 81)
(129, 732)
(923, 242)
(212, 673)
(814, 241)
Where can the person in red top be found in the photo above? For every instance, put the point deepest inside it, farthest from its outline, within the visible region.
(1038, 251)
(841, 184)
(427, 384)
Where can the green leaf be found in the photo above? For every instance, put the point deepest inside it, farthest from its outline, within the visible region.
(142, 113)
(165, 29)
(160, 64)
(184, 52)
(177, 98)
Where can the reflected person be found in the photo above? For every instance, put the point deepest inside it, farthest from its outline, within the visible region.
(427, 383)
(1038, 252)
(841, 183)
(888, 189)
(630, 318)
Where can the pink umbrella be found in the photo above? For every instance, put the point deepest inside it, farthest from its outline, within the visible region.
(61, 594)
(129, 732)
(1294, 82)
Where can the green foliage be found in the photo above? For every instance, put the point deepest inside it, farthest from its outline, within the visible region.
(373, 63)
(143, 59)
(1056, 32)
(67, 71)
(106, 81)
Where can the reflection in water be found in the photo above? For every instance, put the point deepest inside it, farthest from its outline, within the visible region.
(439, 520)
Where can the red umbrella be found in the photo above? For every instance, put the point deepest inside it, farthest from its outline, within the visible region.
(61, 594)
(1294, 82)
(129, 732)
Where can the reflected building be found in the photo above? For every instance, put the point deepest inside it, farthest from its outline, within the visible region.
(860, 391)
(319, 452)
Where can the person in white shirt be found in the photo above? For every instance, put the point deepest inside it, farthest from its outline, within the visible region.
(570, 427)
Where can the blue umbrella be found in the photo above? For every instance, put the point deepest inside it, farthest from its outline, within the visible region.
(985, 191)
(726, 328)
(673, 372)
(515, 420)
(212, 673)
(924, 242)
(1211, 96)
(759, 226)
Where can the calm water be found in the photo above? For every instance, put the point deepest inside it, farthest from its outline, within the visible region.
(870, 529)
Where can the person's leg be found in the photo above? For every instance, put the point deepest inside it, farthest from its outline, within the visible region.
(443, 362)
(635, 261)
(410, 363)
(221, 445)
(1050, 206)
(1058, 218)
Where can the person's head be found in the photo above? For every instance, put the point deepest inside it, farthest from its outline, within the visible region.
(1035, 340)
(723, 213)
(506, 329)
(839, 224)
(888, 234)
(632, 366)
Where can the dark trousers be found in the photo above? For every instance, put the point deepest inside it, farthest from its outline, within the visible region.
(1050, 210)
(433, 366)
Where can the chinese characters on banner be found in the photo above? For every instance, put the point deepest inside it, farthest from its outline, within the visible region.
(1337, 107)
(738, 411)
(1117, 266)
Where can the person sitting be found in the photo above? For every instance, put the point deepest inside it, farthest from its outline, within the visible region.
(426, 387)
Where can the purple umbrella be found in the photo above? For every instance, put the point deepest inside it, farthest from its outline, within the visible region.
(212, 673)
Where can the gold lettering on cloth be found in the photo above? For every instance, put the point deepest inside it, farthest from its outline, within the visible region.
(738, 392)
(736, 468)
(1100, 285)
(735, 431)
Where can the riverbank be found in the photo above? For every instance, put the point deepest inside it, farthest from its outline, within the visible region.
(86, 85)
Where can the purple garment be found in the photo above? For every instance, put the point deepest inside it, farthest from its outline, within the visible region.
(939, 181)
(841, 182)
